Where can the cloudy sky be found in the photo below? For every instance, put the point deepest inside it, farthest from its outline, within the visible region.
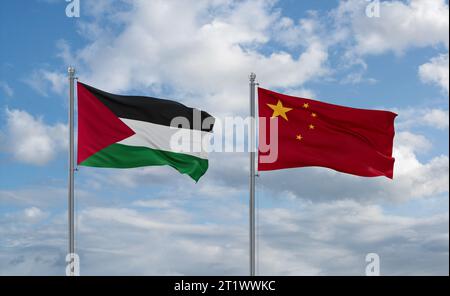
(154, 221)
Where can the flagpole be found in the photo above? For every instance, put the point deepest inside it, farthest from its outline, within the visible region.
(252, 175)
(71, 201)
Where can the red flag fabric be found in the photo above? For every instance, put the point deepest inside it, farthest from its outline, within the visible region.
(98, 127)
(313, 133)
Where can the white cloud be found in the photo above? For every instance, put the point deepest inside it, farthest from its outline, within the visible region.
(437, 118)
(30, 215)
(414, 178)
(436, 72)
(4, 87)
(337, 235)
(302, 93)
(65, 54)
(415, 117)
(401, 25)
(30, 140)
(176, 224)
(34, 214)
(33, 197)
(357, 77)
(153, 203)
(301, 238)
(207, 53)
(44, 81)
(412, 142)
(306, 31)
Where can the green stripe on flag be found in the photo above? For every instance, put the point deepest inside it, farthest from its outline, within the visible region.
(123, 157)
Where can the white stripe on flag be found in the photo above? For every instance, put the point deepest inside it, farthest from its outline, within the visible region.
(161, 137)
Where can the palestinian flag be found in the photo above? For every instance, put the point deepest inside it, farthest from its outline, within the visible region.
(130, 131)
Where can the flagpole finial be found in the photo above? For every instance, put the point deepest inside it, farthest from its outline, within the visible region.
(252, 77)
(71, 71)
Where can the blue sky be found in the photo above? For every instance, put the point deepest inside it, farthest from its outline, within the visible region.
(155, 221)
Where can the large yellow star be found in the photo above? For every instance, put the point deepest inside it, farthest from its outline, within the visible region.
(279, 110)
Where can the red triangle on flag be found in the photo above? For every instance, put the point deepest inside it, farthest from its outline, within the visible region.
(98, 126)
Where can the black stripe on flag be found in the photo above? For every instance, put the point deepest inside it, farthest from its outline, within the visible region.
(154, 110)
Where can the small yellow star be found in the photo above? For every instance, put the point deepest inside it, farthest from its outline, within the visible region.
(299, 137)
(306, 105)
(311, 126)
(314, 115)
(279, 110)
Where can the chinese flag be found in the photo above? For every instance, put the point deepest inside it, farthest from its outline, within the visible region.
(313, 133)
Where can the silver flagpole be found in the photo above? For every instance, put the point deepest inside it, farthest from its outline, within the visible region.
(71, 72)
(252, 175)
